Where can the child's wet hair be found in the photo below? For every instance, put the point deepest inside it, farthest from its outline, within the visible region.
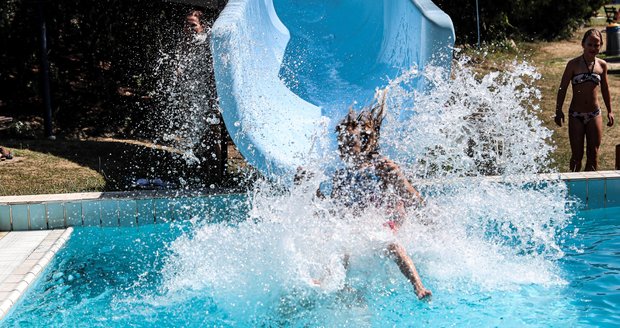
(368, 121)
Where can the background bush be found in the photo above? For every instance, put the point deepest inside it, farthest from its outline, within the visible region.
(101, 55)
(518, 19)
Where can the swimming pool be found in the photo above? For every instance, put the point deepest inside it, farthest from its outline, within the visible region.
(114, 277)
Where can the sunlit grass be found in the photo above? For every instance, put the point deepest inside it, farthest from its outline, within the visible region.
(32, 172)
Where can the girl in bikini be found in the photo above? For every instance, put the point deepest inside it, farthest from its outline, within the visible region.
(585, 124)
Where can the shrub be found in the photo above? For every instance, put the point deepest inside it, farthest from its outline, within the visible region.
(518, 19)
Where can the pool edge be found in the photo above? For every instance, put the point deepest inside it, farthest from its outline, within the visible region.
(131, 208)
(598, 189)
(28, 273)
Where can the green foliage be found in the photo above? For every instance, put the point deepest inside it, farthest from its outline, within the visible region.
(518, 19)
(101, 56)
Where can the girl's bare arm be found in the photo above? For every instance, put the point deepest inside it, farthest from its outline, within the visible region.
(394, 176)
(559, 114)
(606, 94)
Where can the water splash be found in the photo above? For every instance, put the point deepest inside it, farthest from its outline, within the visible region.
(284, 263)
(472, 125)
(187, 112)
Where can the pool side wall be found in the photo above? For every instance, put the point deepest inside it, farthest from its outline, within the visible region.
(117, 209)
(40, 212)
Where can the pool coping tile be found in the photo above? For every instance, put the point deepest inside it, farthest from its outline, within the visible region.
(610, 174)
(139, 194)
(14, 285)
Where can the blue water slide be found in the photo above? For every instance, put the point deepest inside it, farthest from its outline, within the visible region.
(288, 70)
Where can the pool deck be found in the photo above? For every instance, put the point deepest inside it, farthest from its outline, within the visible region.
(24, 256)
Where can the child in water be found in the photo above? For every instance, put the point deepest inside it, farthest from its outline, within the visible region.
(370, 179)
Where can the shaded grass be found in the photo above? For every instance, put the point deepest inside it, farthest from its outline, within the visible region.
(61, 166)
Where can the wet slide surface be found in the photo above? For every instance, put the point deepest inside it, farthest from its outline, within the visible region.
(288, 70)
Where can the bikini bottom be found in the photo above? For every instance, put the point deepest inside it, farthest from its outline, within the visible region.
(585, 118)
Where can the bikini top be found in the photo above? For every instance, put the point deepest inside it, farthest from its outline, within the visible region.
(590, 76)
(587, 77)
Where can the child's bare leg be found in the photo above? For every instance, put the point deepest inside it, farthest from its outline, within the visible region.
(406, 266)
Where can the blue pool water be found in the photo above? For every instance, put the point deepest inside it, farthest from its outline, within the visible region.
(594, 270)
(112, 277)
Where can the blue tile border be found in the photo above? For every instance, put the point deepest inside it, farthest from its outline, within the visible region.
(164, 209)
(578, 189)
(5, 218)
(592, 189)
(110, 216)
(596, 191)
(73, 214)
(106, 212)
(91, 213)
(38, 216)
(612, 192)
(56, 215)
(128, 213)
(20, 217)
(146, 211)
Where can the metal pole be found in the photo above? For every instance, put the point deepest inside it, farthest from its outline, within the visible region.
(45, 71)
(478, 22)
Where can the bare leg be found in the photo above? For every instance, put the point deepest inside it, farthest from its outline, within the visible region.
(406, 266)
(594, 132)
(576, 135)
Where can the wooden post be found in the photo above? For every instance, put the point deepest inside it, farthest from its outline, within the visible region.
(617, 157)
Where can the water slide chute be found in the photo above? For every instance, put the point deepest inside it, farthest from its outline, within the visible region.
(287, 71)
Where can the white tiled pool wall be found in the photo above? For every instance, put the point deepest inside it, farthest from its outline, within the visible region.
(112, 212)
(594, 189)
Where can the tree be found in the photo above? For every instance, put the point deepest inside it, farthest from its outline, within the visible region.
(519, 19)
